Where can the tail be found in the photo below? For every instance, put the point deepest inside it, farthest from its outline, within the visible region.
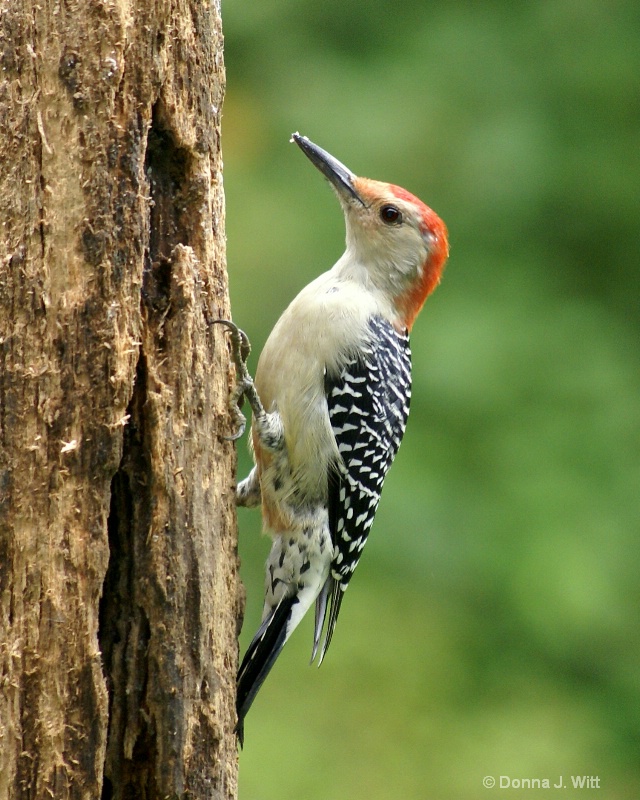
(297, 570)
(261, 656)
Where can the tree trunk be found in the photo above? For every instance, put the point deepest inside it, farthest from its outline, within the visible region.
(119, 598)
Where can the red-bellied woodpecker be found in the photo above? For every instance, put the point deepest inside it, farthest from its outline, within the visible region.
(330, 404)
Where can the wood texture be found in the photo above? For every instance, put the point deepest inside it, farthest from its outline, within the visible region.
(119, 593)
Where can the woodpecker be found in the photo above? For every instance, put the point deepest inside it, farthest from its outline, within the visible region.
(330, 403)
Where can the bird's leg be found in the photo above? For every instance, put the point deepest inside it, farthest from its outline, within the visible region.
(240, 349)
(268, 426)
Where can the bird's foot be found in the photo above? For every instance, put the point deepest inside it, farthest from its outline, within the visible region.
(240, 350)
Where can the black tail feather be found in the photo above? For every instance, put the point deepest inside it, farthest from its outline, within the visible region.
(260, 657)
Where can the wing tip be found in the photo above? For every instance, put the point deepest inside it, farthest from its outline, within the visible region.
(334, 591)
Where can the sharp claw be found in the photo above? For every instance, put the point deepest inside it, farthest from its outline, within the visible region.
(238, 434)
(240, 344)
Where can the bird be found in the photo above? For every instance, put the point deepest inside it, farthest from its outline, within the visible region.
(329, 403)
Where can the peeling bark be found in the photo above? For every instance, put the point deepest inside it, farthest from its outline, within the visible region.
(119, 592)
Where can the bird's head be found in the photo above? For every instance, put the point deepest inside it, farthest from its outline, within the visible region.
(394, 241)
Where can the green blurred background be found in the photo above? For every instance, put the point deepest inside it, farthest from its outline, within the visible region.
(492, 626)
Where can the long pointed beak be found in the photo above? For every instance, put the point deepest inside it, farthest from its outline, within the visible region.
(340, 177)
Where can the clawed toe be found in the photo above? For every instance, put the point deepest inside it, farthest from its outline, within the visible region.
(240, 344)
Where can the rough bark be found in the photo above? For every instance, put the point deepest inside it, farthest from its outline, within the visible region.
(119, 599)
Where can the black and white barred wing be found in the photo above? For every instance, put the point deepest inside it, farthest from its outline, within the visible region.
(368, 409)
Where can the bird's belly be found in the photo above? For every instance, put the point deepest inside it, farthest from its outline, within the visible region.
(292, 495)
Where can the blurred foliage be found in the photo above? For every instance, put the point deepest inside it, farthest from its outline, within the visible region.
(492, 627)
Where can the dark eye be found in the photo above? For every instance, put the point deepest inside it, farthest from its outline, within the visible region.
(391, 215)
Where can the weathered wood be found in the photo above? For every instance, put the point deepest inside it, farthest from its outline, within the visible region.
(119, 594)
